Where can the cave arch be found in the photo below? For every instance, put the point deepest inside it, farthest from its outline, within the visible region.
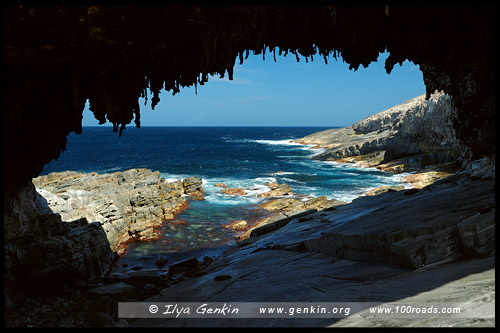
(57, 57)
(265, 92)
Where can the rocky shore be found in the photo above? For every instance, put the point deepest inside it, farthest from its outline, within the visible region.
(75, 225)
(414, 136)
(432, 243)
(128, 204)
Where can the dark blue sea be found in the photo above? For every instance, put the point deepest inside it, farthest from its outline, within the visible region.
(243, 157)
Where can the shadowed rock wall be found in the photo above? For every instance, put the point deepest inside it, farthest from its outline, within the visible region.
(57, 57)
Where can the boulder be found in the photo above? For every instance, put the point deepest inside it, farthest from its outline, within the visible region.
(185, 268)
(293, 204)
(283, 204)
(237, 225)
(193, 186)
(277, 190)
(233, 191)
(161, 261)
(384, 189)
(315, 203)
(278, 221)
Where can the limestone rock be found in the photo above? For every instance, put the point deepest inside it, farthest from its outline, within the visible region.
(193, 186)
(449, 218)
(128, 204)
(277, 190)
(383, 189)
(294, 204)
(427, 176)
(73, 224)
(185, 268)
(315, 203)
(278, 221)
(418, 131)
(283, 204)
(233, 191)
(237, 225)
(477, 233)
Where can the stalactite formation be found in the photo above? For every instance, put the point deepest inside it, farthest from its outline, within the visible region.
(57, 57)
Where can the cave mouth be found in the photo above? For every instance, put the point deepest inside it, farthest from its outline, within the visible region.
(60, 56)
(172, 150)
(179, 152)
(283, 92)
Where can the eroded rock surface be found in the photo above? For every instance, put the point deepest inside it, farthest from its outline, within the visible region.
(72, 225)
(416, 134)
(128, 204)
(276, 190)
(392, 247)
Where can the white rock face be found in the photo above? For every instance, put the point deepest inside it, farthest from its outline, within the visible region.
(128, 204)
(417, 126)
(72, 224)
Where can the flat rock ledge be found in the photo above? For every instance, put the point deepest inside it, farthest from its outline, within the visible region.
(413, 245)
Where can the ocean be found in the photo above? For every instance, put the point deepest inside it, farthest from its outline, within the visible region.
(242, 157)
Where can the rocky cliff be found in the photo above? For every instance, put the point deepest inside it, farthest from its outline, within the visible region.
(416, 133)
(69, 226)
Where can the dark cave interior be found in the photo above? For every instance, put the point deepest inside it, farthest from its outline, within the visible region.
(57, 57)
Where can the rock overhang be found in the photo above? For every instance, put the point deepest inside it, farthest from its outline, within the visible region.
(57, 57)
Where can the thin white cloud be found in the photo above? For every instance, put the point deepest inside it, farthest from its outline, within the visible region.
(241, 69)
(200, 101)
(256, 98)
(235, 80)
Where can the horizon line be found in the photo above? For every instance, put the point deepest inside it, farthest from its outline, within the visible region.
(111, 126)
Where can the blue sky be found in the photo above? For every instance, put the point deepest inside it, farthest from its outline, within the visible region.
(285, 93)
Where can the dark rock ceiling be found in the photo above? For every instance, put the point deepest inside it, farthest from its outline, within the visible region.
(57, 57)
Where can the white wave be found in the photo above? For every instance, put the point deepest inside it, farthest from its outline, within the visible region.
(398, 178)
(347, 173)
(278, 142)
(279, 173)
(341, 165)
(175, 177)
(111, 170)
(264, 180)
(171, 180)
(293, 157)
(172, 177)
(359, 166)
(316, 151)
(252, 188)
(290, 180)
(219, 198)
(240, 183)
